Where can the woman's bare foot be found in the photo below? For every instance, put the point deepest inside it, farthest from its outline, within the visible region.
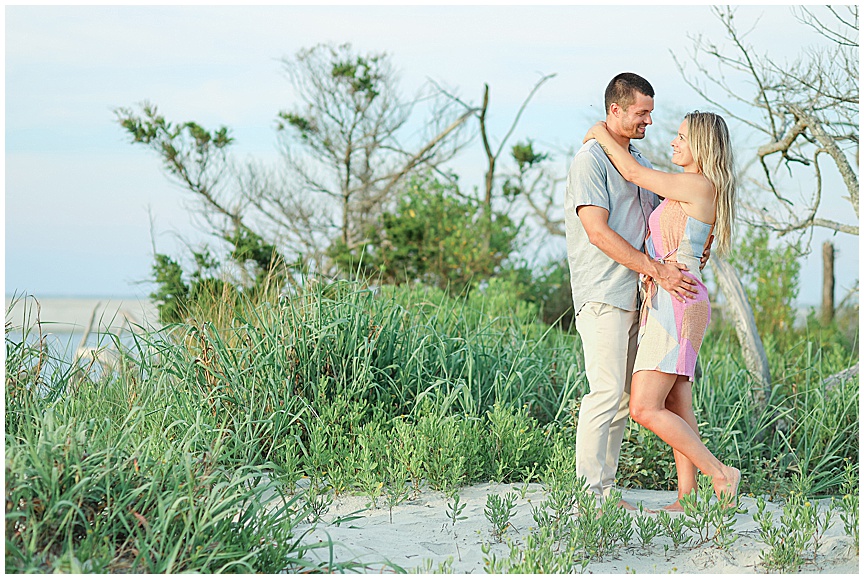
(676, 506)
(726, 485)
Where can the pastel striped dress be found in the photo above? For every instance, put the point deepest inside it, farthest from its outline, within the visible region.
(671, 332)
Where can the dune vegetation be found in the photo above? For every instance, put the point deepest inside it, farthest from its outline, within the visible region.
(212, 439)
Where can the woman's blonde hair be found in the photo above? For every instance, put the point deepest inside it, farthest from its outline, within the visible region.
(712, 151)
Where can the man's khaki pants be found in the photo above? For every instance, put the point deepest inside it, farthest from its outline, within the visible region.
(609, 344)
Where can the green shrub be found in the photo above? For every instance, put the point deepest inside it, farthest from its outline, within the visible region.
(434, 236)
(516, 443)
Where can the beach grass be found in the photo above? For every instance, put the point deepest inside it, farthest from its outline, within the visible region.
(208, 442)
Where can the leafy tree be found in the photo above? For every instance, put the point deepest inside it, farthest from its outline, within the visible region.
(252, 268)
(171, 291)
(343, 141)
(434, 236)
(771, 279)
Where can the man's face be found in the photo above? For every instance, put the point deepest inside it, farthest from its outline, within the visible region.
(633, 121)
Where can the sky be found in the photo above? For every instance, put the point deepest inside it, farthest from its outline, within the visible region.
(84, 209)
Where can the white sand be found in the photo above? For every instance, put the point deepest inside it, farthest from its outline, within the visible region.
(421, 531)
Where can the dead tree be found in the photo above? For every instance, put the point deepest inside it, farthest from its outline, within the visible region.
(738, 308)
(540, 194)
(343, 138)
(805, 111)
(827, 282)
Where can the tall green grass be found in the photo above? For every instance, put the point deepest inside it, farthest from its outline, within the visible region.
(122, 474)
(169, 462)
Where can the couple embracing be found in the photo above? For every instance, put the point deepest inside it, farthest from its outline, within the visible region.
(640, 361)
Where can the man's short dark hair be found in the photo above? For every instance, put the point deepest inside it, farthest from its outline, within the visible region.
(623, 87)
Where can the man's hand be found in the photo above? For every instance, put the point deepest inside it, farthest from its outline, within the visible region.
(673, 281)
(668, 275)
(706, 254)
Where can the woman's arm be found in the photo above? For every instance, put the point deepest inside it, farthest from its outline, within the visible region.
(676, 186)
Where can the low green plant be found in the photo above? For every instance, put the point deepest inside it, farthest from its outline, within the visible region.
(710, 520)
(428, 567)
(524, 488)
(584, 529)
(674, 528)
(849, 504)
(785, 546)
(289, 458)
(541, 516)
(516, 442)
(563, 487)
(370, 478)
(445, 462)
(801, 528)
(398, 479)
(455, 507)
(499, 510)
(567, 544)
(408, 450)
(559, 503)
(319, 498)
(540, 554)
(616, 526)
(647, 527)
(645, 460)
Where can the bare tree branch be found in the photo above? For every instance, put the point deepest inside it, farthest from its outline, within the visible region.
(806, 108)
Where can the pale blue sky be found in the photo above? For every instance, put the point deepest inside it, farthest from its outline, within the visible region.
(77, 193)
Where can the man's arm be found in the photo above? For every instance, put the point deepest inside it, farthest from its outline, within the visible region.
(595, 220)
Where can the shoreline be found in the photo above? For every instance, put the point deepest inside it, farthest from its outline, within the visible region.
(72, 315)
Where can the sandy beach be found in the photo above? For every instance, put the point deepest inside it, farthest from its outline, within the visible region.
(421, 537)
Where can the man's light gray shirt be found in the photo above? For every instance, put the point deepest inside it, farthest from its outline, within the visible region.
(593, 180)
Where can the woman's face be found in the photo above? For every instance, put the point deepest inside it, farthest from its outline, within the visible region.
(681, 153)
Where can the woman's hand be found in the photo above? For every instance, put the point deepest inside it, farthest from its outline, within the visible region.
(707, 253)
(593, 131)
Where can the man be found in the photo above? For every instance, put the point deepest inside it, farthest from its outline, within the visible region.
(606, 222)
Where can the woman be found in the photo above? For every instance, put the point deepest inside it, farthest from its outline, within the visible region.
(698, 201)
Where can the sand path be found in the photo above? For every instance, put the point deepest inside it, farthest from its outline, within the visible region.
(421, 537)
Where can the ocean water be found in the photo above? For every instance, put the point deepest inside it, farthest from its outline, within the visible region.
(63, 322)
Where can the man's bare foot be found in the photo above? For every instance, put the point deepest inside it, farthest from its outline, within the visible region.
(674, 507)
(726, 485)
(627, 506)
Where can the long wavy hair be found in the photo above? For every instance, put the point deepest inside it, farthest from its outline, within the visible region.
(712, 151)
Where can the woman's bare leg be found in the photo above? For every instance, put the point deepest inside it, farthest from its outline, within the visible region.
(680, 401)
(648, 394)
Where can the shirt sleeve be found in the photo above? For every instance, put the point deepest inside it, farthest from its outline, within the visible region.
(587, 181)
